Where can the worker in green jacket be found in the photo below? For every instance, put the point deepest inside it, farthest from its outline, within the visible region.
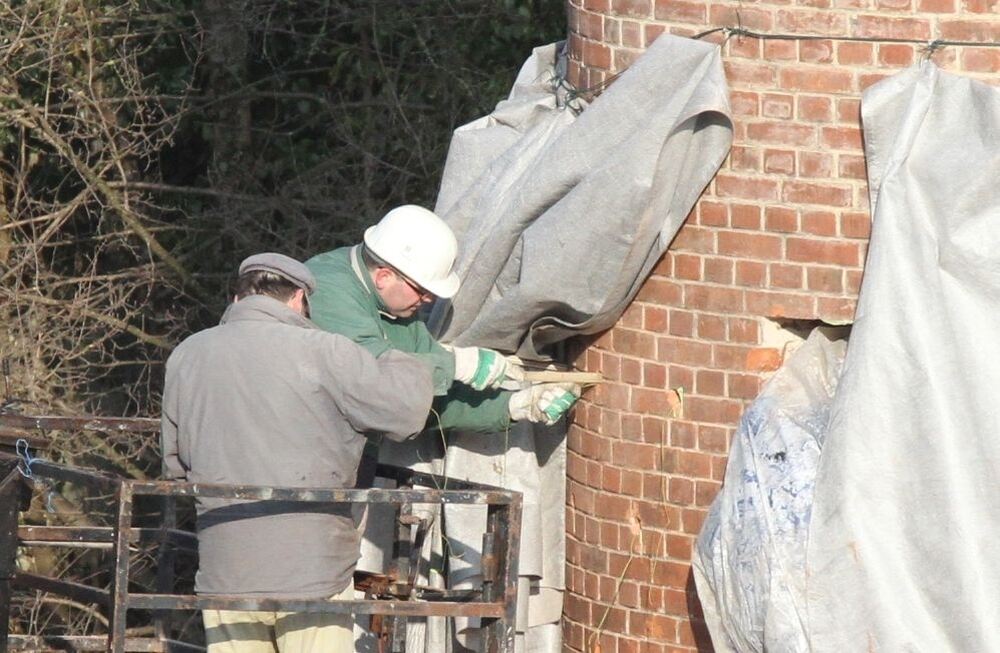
(372, 292)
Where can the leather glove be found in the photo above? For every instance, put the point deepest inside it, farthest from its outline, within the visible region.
(482, 369)
(544, 403)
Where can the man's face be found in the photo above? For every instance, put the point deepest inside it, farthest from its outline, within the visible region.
(401, 296)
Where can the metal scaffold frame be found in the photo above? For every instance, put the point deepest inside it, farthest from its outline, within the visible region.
(391, 598)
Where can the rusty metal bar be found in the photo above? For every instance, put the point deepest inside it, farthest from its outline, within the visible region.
(81, 423)
(9, 503)
(119, 588)
(510, 521)
(324, 495)
(394, 608)
(428, 480)
(76, 591)
(436, 594)
(102, 536)
(56, 643)
(456, 492)
(420, 531)
(492, 635)
(503, 524)
(88, 478)
(11, 478)
(66, 534)
(9, 438)
(165, 559)
(488, 565)
(393, 629)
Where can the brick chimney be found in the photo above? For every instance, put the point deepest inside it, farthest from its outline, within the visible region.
(775, 245)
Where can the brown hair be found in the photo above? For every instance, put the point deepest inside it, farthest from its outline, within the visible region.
(371, 261)
(262, 282)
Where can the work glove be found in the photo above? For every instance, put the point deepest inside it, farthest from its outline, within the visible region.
(544, 403)
(483, 369)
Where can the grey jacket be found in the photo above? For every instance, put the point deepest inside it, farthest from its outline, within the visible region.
(267, 398)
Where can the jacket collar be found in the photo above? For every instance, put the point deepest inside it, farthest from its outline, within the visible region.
(365, 277)
(261, 308)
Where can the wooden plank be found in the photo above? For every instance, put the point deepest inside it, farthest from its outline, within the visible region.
(559, 376)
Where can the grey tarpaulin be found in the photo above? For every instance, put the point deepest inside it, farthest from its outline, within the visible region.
(904, 546)
(560, 218)
(750, 558)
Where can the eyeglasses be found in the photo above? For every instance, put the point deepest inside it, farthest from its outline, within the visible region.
(421, 292)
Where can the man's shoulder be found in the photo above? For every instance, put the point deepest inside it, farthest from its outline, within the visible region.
(198, 338)
(331, 262)
(333, 343)
(190, 348)
(340, 297)
(205, 337)
(305, 344)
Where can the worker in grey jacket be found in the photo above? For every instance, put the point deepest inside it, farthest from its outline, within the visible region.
(266, 398)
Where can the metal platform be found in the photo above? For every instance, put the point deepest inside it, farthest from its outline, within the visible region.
(391, 599)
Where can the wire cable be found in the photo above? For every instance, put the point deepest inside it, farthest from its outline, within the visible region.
(931, 45)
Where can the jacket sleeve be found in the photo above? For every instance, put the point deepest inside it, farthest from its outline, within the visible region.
(468, 410)
(390, 394)
(411, 336)
(173, 469)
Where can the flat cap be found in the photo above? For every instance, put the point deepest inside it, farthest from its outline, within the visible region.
(283, 266)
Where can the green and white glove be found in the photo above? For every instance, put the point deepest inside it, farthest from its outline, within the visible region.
(483, 369)
(544, 403)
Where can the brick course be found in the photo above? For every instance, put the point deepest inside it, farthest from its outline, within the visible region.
(781, 232)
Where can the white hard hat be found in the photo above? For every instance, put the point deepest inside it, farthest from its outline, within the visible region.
(420, 245)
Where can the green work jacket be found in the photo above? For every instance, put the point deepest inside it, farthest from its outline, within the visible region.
(346, 302)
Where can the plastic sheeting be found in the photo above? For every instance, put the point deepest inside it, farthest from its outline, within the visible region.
(749, 562)
(901, 542)
(904, 546)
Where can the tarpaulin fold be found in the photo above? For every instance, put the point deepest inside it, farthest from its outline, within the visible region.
(562, 216)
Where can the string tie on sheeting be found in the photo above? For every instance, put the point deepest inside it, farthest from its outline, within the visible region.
(932, 47)
(24, 458)
(24, 462)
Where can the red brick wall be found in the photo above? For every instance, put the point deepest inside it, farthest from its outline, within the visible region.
(781, 232)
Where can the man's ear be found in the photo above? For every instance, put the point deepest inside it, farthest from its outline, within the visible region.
(297, 301)
(381, 277)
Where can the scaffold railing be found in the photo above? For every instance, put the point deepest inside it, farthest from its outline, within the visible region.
(390, 598)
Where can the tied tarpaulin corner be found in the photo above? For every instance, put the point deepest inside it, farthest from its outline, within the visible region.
(561, 216)
(904, 544)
